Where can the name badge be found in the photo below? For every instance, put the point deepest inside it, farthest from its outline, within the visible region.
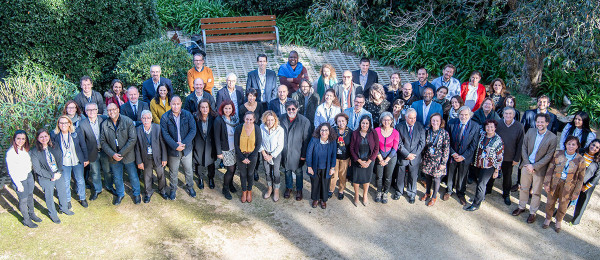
(484, 154)
(116, 142)
(53, 167)
(431, 150)
(339, 151)
(68, 156)
(149, 149)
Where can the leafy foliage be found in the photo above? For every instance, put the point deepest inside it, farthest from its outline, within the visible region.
(261, 7)
(174, 60)
(31, 101)
(557, 83)
(588, 100)
(74, 38)
(185, 15)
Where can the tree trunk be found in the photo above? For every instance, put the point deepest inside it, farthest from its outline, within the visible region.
(531, 75)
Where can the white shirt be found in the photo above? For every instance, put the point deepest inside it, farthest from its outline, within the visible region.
(426, 111)
(19, 165)
(262, 80)
(326, 115)
(272, 140)
(471, 97)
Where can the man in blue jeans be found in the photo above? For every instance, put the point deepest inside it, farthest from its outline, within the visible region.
(297, 130)
(118, 139)
(91, 127)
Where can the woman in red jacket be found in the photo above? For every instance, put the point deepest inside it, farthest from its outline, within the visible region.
(473, 92)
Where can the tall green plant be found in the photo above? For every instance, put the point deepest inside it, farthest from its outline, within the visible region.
(185, 15)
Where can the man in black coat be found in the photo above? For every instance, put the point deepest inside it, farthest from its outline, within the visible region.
(528, 119)
(151, 155)
(88, 95)
(464, 137)
(192, 100)
(412, 136)
(264, 81)
(277, 105)
(150, 85)
(364, 76)
(91, 127)
(133, 107)
(178, 131)
(231, 92)
(307, 99)
(297, 135)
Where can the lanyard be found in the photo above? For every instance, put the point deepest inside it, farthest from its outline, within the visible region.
(67, 144)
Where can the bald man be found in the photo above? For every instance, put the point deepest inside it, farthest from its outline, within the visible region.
(150, 85)
(133, 107)
(278, 105)
(346, 90)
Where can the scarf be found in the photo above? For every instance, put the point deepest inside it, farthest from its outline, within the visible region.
(233, 122)
(321, 85)
(287, 71)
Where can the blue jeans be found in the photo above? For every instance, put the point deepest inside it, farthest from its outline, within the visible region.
(134, 180)
(77, 171)
(99, 168)
(289, 181)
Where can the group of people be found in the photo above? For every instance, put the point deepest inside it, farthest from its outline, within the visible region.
(354, 130)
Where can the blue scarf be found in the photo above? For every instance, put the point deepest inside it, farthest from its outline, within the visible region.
(287, 71)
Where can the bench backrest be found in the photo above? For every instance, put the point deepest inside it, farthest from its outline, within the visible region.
(238, 25)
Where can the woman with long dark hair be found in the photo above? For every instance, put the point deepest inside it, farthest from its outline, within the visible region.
(320, 162)
(204, 143)
(73, 111)
(225, 125)
(364, 148)
(116, 94)
(590, 179)
(580, 128)
(161, 103)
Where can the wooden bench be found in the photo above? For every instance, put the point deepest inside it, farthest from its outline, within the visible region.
(239, 29)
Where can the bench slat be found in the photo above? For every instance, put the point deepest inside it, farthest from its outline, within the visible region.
(237, 19)
(242, 38)
(236, 25)
(241, 30)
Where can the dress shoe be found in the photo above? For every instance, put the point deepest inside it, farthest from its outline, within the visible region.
(472, 208)
(117, 200)
(431, 202)
(268, 193)
(276, 195)
(200, 184)
(323, 204)
(411, 201)
(112, 191)
(232, 188)
(83, 203)
(211, 183)
(315, 203)
(396, 196)
(378, 197)
(287, 193)
(164, 195)
(507, 201)
(146, 199)
(173, 195)
(330, 194)
(243, 198)
(426, 197)
(55, 219)
(463, 201)
(137, 199)
(94, 196)
(227, 194)
(255, 176)
(67, 212)
(469, 180)
(28, 223)
(299, 195)
(249, 196)
(518, 211)
(384, 198)
(70, 206)
(191, 192)
(446, 196)
(531, 218)
(340, 196)
(35, 218)
(514, 188)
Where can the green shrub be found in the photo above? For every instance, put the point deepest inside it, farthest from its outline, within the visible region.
(556, 82)
(32, 101)
(294, 28)
(76, 37)
(588, 100)
(174, 60)
(258, 7)
(185, 15)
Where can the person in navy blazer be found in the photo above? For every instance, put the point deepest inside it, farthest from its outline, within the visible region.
(372, 76)
(134, 100)
(434, 107)
(266, 90)
(462, 149)
(223, 93)
(276, 104)
(320, 162)
(409, 155)
(99, 164)
(193, 99)
(150, 85)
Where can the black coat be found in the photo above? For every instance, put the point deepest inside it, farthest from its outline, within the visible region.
(205, 151)
(297, 136)
(307, 109)
(191, 102)
(528, 121)
(223, 94)
(408, 145)
(187, 130)
(372, 77)
(40, 164)
(159, 149)
(127, 110)
(90, 138)
(252, 156)
(220, 134)
(78, 141)
(465, 147)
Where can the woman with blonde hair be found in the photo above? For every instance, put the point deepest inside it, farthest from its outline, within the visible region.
(273, 140)
(327, 80)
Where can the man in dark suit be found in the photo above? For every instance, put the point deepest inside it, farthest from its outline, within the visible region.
(278, 105)
(264, 81)
(151, 155)
(412, 142)
(422, 83)
(91, 128)
(464, 136)
(364, 76)
(231, 92)
(192, 100)
(178, 129)
(133, 107)
(149, 86)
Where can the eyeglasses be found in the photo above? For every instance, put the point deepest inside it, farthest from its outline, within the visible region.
(291, 109)
(71, 107)
(64, 123)
(91, 109)
(198, 60)
(324, 130)
(112, 109)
